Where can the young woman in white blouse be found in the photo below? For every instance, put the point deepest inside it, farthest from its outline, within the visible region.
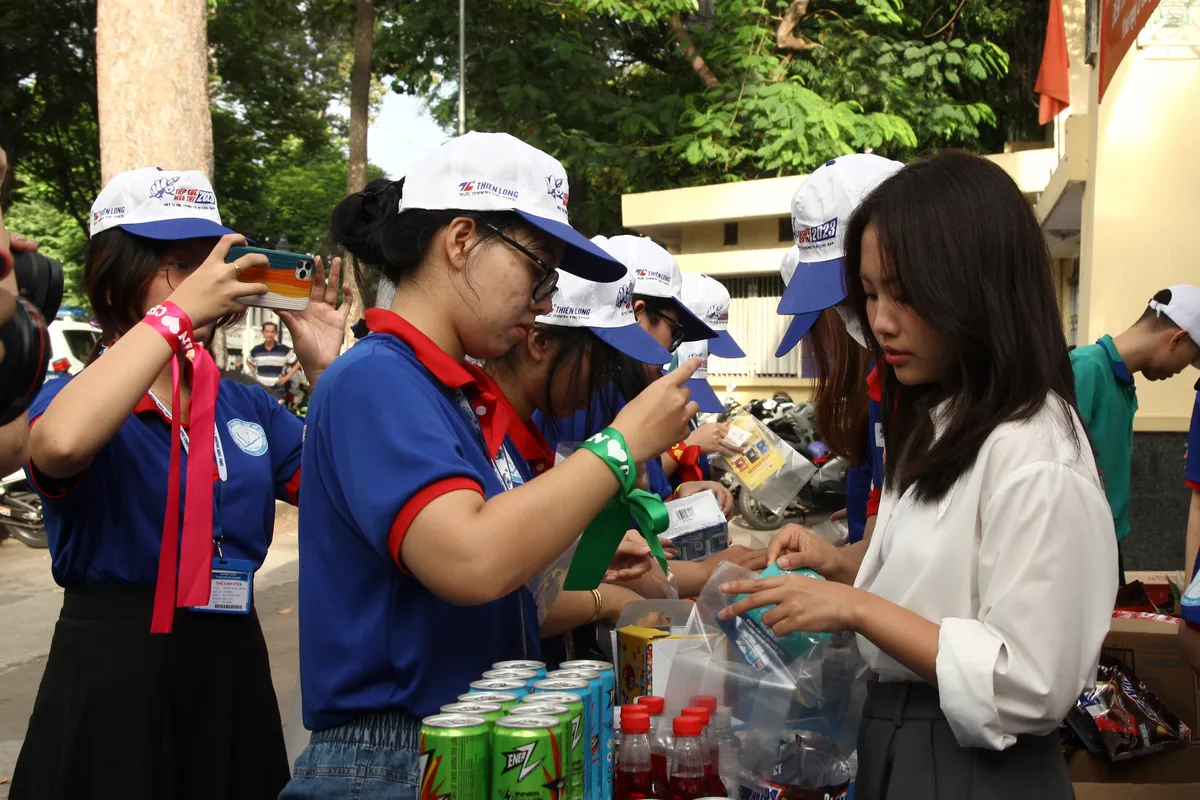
(983, 596)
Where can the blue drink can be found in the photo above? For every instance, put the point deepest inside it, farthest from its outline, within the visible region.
(608, 678)
(597, 754)
(519, 688)
(526, 676)
(591, 712)
(537, 666)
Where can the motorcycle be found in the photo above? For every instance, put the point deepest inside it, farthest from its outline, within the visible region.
(794, 423)
(21, 512)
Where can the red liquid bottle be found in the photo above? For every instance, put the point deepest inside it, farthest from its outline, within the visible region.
(633, 776)
(660, 742)
(686, 781)
(713, 786)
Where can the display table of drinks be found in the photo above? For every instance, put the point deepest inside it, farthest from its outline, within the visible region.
(521, 733)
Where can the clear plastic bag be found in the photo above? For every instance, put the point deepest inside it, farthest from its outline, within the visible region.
(834, 531)
(775, 700)
(767, 467)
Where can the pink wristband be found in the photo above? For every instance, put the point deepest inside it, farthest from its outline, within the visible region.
(175, 326)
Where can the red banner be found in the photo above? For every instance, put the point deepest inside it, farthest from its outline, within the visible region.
(1120, 23)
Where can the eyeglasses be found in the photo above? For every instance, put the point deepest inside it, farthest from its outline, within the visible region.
(177, 271)
(677, 329)
(547, 277)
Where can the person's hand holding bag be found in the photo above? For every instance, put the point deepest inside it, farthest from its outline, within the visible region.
(212, 290)
(795, 547)
(658, 417)
(710, 438)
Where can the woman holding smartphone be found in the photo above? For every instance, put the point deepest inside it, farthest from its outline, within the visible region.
(190, 713)
(987, 588)
(417, 531)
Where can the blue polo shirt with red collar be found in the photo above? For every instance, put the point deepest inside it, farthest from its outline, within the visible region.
(1192, 470)
(393, 424)
(105, 525)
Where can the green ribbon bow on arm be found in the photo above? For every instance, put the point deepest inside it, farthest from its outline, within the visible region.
(602, 537)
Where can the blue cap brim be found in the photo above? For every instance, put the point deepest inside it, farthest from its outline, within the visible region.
(705, 396)
(582, 257)
(635, 342)
(800, 325)
(816, 286)
(725, 347)
(694, 328)
(170, 229)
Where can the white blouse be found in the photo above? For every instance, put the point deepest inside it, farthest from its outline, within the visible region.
(1018, 564)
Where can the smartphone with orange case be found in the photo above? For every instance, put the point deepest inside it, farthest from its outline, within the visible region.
(288, 277)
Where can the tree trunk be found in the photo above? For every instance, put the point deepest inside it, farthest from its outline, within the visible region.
(360, 107)
(699, 66)
(152, 85)
(786, 37)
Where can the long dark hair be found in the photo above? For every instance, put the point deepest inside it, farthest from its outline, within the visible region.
(370, 226)
(116, 275)
(840, 396)
(961, 241)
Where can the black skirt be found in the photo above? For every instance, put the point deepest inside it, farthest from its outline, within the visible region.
(906, 751)
(125, 713)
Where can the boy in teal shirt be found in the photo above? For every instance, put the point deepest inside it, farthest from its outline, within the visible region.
(1160, 345)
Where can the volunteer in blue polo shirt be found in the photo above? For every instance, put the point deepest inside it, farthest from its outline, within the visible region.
(417, 533)
(815, 293)
(123, 703)
(571, 354)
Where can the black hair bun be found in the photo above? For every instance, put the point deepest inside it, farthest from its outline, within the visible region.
(358, 221)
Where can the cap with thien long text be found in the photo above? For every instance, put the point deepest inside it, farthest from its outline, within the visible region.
(709, 300)
(702, 391)
(656, 274)
(497, 172)
(821, 209)
(158, 204)
(1181, 306)
(606, 309)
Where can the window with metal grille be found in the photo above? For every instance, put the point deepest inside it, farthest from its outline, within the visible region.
(755, 326)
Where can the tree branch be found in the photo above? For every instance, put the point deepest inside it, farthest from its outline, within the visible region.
(786, 37)
(689, 51)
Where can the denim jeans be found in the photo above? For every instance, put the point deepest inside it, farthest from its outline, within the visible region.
(374, 757)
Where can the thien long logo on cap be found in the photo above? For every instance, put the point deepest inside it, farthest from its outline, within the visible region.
(824, 232)
(468, 188)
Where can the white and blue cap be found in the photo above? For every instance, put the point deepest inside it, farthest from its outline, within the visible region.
(708, 299)
(158, 204)
(701, 391)
(821, 209)
(801, 323)
(1182, 306)
(497, 172)
(606, 309)
(656, 274)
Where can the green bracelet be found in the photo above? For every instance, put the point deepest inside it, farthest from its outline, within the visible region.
(609, 446)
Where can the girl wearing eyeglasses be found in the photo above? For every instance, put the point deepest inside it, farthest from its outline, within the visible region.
(420, 531)
(189, 712)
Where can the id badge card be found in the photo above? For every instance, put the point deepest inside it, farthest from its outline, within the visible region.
(232, 587)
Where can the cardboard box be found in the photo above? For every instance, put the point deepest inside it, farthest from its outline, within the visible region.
(1149, 645)
(644, 657)
(698, 528)
(1172, 775)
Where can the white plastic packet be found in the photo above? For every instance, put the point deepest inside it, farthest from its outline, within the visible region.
(767, 467)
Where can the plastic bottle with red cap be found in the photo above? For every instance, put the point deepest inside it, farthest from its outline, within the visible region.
(713, 786)
(661, 741)
(686, 779)
(633, 779)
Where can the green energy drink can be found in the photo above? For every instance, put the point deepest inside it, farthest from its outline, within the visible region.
(489, 711)
(528, 676)
(454, 756)
(505, 700)
(581, 688)
(519, 688)
(608, 696)
(527, 759)
(571, 735)
(537, 666)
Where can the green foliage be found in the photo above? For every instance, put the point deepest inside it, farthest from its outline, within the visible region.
(58, 236)
(634, 95)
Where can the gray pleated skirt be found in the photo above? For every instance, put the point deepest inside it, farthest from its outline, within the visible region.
(906, 751)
